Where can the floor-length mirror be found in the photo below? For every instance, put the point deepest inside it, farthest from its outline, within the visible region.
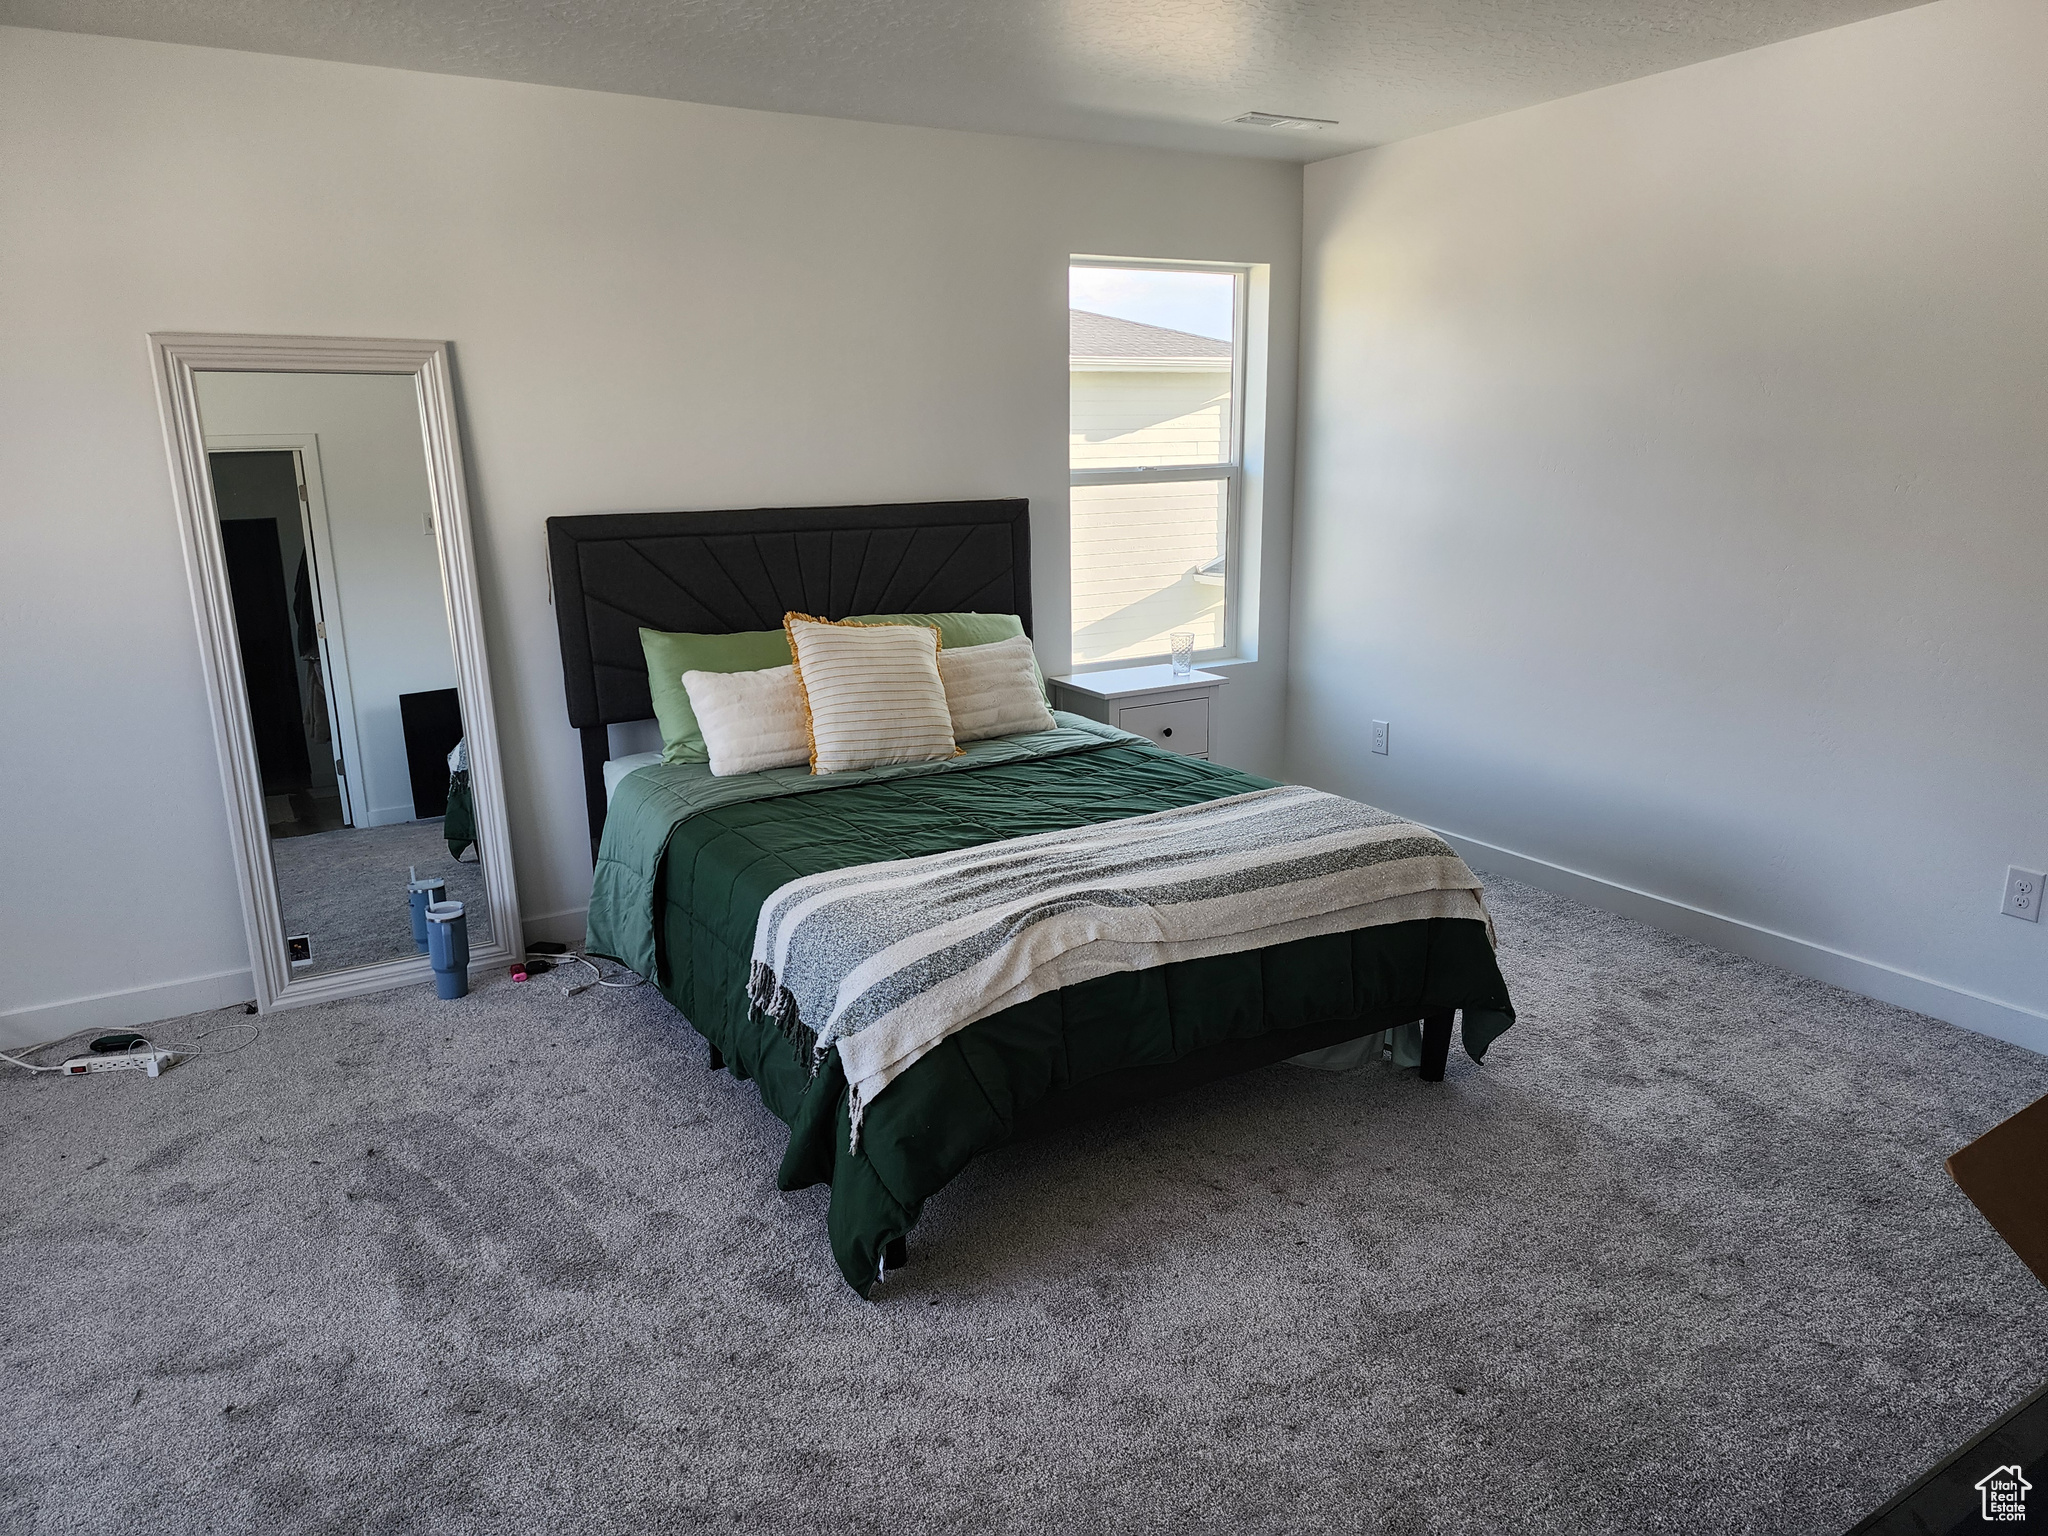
(353, 745)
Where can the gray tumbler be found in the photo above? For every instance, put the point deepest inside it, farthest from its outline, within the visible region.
(420, 895)
(448, 948)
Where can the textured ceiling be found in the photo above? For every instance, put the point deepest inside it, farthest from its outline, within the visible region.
(1158, 72)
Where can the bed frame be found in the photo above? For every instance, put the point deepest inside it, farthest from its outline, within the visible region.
(721, 572)
(716, 573)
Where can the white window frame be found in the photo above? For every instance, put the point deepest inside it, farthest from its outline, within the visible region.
(1230, 471)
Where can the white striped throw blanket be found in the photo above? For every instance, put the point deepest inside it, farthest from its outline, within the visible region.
(883, 961)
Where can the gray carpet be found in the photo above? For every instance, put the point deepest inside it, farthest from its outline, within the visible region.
(1680, 1257)
(346, 890)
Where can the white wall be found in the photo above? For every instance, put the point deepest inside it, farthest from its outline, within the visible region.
(1675, 480)
(393, 629)
(652, 304)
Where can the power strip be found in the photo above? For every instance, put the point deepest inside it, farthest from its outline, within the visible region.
(152, 1062)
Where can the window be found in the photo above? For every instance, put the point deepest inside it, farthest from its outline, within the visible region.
(1155, 434)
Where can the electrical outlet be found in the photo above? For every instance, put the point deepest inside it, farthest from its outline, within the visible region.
(1379, 737)
(2023, 894)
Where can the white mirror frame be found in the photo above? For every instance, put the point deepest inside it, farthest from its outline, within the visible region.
(177, 357)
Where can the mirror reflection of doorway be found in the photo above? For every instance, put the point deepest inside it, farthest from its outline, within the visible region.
(272, 565)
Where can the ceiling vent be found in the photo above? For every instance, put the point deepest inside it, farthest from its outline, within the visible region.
(1277, 120)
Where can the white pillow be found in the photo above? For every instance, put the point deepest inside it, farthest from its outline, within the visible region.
(872, 692)
(992, 690)
(750, 720)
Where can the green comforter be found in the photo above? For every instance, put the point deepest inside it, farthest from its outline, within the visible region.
(687, 861)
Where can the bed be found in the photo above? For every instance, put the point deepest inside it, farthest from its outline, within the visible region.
(683, 864)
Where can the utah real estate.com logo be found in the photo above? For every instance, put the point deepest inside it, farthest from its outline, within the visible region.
(2005, 1494)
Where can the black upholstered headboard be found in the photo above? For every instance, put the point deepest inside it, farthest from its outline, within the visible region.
(719, 572)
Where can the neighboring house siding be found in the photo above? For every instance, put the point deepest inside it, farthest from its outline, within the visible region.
(1149, 417)
(1135, 548)
(1135, 551)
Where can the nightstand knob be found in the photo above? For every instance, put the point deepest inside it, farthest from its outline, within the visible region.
(1167, 732)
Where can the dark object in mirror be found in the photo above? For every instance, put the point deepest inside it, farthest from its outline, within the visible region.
(432, 722)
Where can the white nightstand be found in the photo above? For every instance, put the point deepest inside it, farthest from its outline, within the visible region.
(1170, 712)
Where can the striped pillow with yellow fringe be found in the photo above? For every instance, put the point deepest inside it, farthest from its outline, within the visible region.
(872, 693)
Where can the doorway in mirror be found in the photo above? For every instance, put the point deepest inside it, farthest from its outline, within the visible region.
(260, 496)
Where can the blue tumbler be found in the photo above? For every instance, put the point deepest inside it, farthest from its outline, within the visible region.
(448, 948)
(420, 895)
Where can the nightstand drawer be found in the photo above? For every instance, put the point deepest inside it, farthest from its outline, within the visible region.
(1182, 726)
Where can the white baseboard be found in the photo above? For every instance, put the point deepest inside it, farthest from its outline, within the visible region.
(136, 1006)
(127, 1009)
(564, 927)
(1872, 978)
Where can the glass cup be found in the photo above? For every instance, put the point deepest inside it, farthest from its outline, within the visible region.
(1183, 654)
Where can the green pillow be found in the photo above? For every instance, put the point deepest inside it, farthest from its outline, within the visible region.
(957, 631)
(669, 656)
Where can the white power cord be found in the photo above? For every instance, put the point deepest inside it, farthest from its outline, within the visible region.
(597, 975)
(149, 1043)
(196, 1047)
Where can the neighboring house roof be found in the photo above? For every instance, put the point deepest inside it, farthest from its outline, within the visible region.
(1092, 337)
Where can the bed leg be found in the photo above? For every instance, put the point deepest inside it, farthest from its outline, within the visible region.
(896, 1254)
(717, 1060)
(1436, 1042)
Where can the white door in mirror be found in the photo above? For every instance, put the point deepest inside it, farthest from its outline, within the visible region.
(2023, 894)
